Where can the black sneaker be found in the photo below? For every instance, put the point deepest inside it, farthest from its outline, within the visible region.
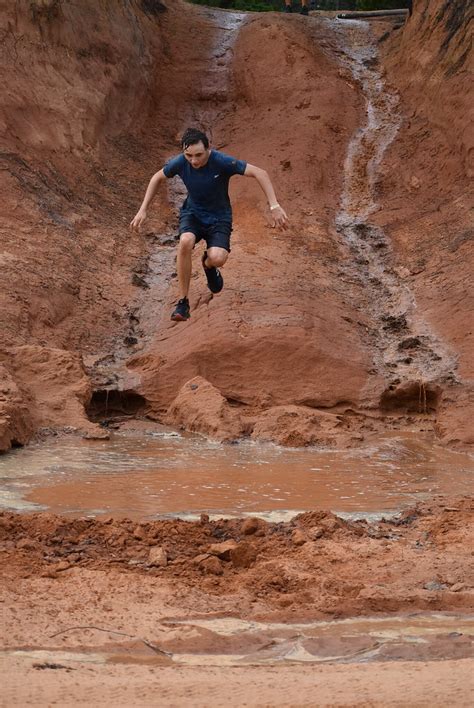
(181, 311)
(304, 10)
(215, 281)
(288, 8)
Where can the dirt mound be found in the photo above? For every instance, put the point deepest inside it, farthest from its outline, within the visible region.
(317, 563)
(49, 388)
(271, 338)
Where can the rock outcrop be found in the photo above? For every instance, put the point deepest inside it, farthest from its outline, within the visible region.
(200, 407)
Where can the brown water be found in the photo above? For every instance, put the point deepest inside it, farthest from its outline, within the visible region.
(161, 473)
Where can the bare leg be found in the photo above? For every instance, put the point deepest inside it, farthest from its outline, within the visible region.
(184, 261)
(216, 257)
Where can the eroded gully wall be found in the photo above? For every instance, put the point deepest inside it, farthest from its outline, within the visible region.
(426, 188)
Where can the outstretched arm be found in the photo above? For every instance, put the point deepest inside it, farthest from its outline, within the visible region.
(279, 216)
(150, 193)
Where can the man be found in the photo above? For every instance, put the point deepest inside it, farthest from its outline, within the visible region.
(304, 6)
(206, 212)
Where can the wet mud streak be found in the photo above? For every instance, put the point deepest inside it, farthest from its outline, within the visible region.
(214, 95)
(212, 101)
(406, 352)
(229, 641)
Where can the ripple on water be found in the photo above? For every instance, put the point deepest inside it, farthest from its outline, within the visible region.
(158, 476)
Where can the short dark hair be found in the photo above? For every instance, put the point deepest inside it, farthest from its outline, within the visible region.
(192, 136)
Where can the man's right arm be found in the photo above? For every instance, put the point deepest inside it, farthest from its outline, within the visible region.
(150, 193)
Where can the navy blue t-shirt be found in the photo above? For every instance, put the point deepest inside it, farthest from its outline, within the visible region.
(208, 186)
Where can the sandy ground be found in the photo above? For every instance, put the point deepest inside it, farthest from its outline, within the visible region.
(413, 684)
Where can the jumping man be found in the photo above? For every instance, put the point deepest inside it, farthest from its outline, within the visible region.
(206, 212)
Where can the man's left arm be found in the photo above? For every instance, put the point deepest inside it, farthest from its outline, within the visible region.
(278, 214)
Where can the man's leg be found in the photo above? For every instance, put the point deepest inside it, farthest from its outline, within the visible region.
(184, 261)
(218, 249)
(288, 4)
(216, 257)
(184, 267)
(304, 7)
(213, 259)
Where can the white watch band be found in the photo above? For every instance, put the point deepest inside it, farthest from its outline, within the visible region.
(274, 206)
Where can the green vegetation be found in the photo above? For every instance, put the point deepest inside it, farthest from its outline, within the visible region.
(380, 4)
(269, 5)
(253, 5)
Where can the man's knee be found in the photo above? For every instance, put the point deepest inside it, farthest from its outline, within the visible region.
(186, 242)
(217, 257)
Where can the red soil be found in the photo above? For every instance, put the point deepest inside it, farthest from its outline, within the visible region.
(77, 585)
(316, 565)
(94, 101)
(95, 96)
(426, 189)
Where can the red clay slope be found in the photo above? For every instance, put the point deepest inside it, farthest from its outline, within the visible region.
(427, 191)
(82, 91)
(93, 102)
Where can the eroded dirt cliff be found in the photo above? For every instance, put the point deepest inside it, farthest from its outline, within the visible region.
(426, 187)
(82, 89)
(94, 101)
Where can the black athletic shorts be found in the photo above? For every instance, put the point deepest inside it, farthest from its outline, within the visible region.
(217, 234)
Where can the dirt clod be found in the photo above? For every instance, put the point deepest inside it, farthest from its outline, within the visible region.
(158, 557)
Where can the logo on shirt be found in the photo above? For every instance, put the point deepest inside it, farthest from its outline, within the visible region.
(216, 176)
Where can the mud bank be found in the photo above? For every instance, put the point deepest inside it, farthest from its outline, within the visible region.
(100, 98)
(86, 119)
(315, 565)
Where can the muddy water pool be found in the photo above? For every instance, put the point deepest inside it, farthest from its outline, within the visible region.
(161, 473)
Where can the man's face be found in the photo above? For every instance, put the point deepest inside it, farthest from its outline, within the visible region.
(196, 155)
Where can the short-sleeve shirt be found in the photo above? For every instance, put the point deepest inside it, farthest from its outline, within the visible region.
(208, 186)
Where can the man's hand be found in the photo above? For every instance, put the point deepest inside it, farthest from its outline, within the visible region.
(279, 217)
(138, 220)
